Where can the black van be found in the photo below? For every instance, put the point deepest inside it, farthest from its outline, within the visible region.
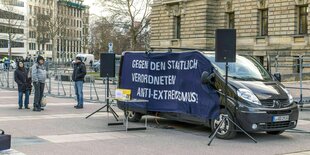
(257, 101)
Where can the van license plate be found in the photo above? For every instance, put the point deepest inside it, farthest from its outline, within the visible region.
(280, 118)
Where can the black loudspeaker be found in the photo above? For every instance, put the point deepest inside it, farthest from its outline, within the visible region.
(225, 45)
(107, 65)
(5, 141)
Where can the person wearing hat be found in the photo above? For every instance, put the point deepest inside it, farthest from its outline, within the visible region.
(24, 84)
(38, 78)
(78, 75)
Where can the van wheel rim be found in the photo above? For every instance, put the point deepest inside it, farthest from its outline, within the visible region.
(130, 114)
(223, 129)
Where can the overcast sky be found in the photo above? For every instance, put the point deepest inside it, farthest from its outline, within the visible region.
(94, 7)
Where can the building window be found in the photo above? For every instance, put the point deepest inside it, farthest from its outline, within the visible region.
(10, 15)
(177, 27)
(30, 9)
(17, 44)
(32, 34)
(263, 22)
(18, 3)
(302, 20)
(32, 46)
(6, 29)
(4, 43)
(260, 59)
(231, 20)
(49, 47)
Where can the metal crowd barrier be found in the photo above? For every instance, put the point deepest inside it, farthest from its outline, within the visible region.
(300, 66)
(59, 84)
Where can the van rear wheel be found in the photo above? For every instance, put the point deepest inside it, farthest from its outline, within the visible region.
(227, 129)
(275, 132)
(134, 116)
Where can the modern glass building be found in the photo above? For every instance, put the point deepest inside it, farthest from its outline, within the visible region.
(12, 28)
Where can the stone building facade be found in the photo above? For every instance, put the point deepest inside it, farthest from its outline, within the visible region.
(70, 27)
(264, 27)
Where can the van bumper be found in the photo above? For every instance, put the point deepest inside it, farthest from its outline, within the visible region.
(261, 119)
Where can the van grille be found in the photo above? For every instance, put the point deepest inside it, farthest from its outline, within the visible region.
(276, 112)
(275, 103)
(276, 125)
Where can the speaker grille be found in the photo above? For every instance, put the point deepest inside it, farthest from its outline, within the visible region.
(225, 45)
(107, 65)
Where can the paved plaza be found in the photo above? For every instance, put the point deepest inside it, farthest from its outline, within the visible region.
(62, 130)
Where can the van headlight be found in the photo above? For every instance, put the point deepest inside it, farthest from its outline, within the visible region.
(248, 96)
(290, 97)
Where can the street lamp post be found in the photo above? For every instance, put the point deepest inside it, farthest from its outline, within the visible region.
(8, 65)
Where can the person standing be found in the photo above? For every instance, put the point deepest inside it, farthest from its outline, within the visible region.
(91, 64)
(78, 75)
(6, 63)
(24, 85)
(38, 77)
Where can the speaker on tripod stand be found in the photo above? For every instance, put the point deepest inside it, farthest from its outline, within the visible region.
(107, 65)
(225, 51)
(107, 70)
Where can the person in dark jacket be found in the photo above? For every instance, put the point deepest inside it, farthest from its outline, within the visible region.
(38, 78)
(24, 84)
(78, 75)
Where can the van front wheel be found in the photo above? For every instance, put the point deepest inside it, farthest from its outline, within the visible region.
(134, 116)
(227, 129)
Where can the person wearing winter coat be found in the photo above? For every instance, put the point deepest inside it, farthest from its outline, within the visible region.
(78, 76)
(23, 81)
(38, 79)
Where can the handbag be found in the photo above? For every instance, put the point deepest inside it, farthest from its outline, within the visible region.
(5, 141)
(29, 88)
(43, 101)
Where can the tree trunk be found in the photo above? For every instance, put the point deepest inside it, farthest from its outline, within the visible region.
(42, 47)
(54, 51)
(38, 48)
(10, 47)
(133, 40)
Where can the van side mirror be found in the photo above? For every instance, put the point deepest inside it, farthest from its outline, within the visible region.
(277, 76)
(207, 78)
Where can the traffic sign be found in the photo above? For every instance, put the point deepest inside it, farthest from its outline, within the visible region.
(110, 47)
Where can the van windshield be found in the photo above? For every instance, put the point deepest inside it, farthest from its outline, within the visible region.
(245, 68)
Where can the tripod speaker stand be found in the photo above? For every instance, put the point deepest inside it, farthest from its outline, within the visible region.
(107, 69)
(225, 51)
(226, 118)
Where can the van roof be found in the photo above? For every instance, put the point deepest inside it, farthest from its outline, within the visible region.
(203, 52)
(83, 54)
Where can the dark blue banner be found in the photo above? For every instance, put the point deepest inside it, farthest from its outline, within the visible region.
(171, 82)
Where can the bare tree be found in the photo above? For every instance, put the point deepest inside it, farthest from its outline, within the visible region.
(12, 24)
(85, 31)
(49, 24)
(133, 12)
(42, 32)
(105, 30)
